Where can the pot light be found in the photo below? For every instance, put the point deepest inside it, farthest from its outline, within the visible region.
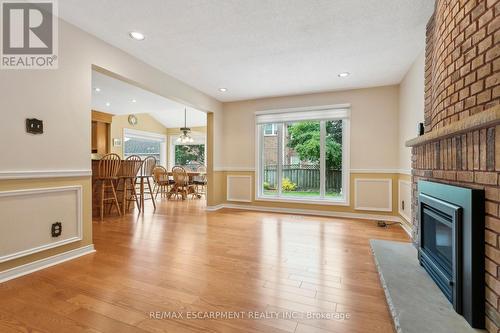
(97, 89)
(222, 89)
(134, 101)
(137, 35)
(108, 104)
(344, 74)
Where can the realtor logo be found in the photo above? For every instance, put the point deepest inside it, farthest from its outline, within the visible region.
(29, 34)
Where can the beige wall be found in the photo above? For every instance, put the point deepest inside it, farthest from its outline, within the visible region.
(374, 129)
(62, 99)
(411, 108)
(144, 123)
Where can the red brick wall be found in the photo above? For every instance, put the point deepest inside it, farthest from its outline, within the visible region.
(462, 72)
(462, 60)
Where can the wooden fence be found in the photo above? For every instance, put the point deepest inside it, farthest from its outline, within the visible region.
(305, 177)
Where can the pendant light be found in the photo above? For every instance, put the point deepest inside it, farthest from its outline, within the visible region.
(185, 137)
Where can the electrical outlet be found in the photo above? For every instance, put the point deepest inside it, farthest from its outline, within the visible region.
(34, 126)
(56, 229)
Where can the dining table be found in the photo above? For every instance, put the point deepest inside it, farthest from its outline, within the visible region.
(191, 175)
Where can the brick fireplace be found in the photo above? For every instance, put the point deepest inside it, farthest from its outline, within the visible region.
(461, 144)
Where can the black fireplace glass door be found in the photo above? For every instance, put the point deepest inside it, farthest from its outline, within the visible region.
(438, 239)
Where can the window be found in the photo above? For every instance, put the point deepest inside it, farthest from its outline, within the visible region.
(190, 155)
(270, 129)
(144, 144)
(306, 159)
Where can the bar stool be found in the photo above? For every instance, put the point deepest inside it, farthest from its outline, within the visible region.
(144, 177)
(107, 174)
(129, 170)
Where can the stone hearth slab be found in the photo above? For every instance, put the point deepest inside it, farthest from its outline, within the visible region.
(417, 305)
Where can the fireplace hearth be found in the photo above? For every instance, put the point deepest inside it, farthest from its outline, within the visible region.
(451, 245)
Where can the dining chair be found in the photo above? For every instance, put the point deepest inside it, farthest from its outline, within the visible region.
(144, 178)
(128, 174)
(200, 181)
(107, 175)
(161, 180)
(181, 183)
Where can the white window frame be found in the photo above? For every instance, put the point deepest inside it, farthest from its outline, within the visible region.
(133, 133)
(319, 113)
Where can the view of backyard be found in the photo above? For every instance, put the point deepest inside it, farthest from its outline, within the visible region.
(300, 168)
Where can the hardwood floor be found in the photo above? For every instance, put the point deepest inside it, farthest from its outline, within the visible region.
(185, 260)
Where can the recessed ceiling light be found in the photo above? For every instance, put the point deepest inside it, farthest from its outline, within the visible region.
(222, 89)
(133, 101)
(137, 35)
(344, 74)
(97, 89)
(108, 104)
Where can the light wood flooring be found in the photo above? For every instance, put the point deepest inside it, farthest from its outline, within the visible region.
(186, 260)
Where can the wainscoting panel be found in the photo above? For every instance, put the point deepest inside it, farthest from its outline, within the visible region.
(27, 217)
(373, 194)
(404, 199)
(239, 188)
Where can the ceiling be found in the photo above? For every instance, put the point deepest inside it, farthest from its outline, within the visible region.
(120, 96)
(261, 48)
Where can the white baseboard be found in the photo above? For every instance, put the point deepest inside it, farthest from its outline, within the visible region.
(406, 227)
(44, 263)
(389, 218)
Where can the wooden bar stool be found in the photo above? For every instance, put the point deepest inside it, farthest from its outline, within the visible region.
(107, 174)
(144, 178)
(128, 174)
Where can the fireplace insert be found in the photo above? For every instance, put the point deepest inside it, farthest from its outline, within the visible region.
(451, 245)
(440, 245)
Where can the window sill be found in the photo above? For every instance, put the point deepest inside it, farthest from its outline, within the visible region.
(328, 202)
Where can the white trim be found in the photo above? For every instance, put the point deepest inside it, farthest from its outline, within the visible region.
(249, 190)
(33, 174)
(235, 169)
(327, 213)
(44, 263)
(305, 108)
(400, 171)
(143, 134)
(407, 183)
(79, 221)
(214, 208)
(407, 228)
(378, 180)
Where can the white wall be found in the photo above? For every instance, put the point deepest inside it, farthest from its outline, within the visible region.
(62, 99)
(411, 108)
(374, 126)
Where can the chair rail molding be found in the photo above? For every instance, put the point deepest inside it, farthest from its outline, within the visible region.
(34, 174)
